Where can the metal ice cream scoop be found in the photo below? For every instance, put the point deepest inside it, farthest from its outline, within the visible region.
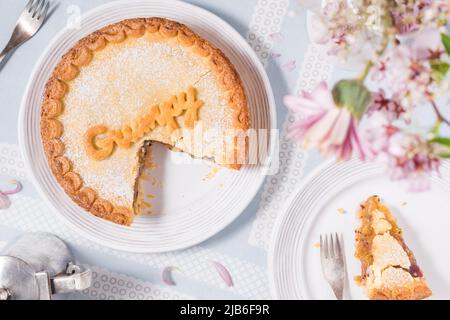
(38, 265)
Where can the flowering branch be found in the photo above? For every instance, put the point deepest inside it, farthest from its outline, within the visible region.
(441, 118)
(362, 77)
(408, 66)
(370, 63)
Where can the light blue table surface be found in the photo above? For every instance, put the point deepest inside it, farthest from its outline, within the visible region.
(16, 72)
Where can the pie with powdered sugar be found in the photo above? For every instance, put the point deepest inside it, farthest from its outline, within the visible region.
(125, 86)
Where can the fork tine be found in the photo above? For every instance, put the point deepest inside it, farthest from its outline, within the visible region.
(337, 248)
(332, 251)
(322, 252)
(28, 6)
(43, 12)
(322, 247)
(33, 7)
(326, 247)
(333, 263)
(38, 8)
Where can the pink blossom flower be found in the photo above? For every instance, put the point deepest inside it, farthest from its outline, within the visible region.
(411, 16)
(318, 31)
(409, 157)
(406, 72)
(333, 130)
(377, 132)
(393, 68)
(392, 107)
(411, 160)
(427, 45)
(407, 17)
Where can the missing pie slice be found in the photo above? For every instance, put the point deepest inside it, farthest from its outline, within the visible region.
(389, 270)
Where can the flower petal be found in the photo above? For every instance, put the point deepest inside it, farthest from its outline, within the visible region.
(339, 131)
(302, 105)
(289, 66)
(425, 42)
(5, 203)
(318, 31)
(359, 148)
(338, 140)
(275, 55)
(344, 152)
(166, 276)
(17, 189)
(276, 36)
(300, 127)
(322, 96)
(320, 130)
(223, 273)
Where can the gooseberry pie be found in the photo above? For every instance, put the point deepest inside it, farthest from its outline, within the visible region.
(126, 86)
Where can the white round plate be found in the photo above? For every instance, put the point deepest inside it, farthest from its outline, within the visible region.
(192, 206)
(294, 257)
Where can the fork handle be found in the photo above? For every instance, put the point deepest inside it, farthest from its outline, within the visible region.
(3, 55)
(6, 51)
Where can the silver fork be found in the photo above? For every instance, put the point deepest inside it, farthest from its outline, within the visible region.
(29, 22)
(333, 263)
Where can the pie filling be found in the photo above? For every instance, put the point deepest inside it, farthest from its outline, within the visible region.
(143, 159)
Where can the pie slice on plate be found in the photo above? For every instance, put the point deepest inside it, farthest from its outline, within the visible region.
(129, 84)
(389, 269)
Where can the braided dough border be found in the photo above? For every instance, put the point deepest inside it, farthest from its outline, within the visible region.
(81, 55)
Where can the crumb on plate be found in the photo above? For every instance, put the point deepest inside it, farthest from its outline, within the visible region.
(212, 173)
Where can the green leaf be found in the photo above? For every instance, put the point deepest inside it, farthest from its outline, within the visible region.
(442, 141)
(446, 41)
(445, 151)
(440, 69)
(353, 95)
(444, 155)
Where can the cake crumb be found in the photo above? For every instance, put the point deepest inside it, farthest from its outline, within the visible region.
(155, 182)
(341, 211)
(146, 205)
(144, 177)
(212, 173)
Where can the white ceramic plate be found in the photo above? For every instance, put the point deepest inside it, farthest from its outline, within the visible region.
(294, 258)
(192, 206)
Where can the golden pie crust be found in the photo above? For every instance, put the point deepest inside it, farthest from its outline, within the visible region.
(81, 56)
(404, 280)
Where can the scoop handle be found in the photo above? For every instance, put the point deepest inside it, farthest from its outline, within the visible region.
(4, 294)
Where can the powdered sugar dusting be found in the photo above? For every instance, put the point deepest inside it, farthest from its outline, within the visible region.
(118, 86)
